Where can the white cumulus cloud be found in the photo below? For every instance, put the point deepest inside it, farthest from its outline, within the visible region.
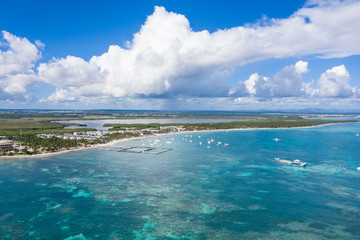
(17, 59)
(60, 95)
(288, 82)
(69, 72)
(19, 54)
(285, 83)
(259, 86)
(335, 83)
(168, 58)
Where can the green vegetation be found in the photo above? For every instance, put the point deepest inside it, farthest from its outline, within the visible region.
(23, 126)
(137, 126)
(133, 114)
(265, 123)
(33, 126)
(24, 131)
(36, 145)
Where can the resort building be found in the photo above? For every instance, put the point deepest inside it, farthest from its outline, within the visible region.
(6, 144)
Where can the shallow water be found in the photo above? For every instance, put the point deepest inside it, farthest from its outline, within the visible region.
(191, 192)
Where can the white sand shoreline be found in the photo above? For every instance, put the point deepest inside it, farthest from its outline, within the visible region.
(109, 144)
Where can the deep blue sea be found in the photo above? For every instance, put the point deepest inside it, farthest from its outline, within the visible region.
(192, 191)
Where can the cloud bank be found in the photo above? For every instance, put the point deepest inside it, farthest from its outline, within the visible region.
(333, 83)
(167, 59)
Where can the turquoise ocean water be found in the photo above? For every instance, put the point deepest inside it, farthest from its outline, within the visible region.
(236, 191)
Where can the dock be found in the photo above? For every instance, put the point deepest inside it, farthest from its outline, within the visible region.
(142, 149)
(297, 162)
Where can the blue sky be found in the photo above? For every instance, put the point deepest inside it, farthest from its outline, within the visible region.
(64, 60)
(87, 28)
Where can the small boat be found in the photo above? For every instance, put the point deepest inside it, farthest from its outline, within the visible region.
(296, 161)
(277, 139)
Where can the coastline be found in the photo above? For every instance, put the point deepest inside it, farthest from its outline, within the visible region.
(109, 144)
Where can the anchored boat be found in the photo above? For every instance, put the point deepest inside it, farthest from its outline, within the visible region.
(297, 162)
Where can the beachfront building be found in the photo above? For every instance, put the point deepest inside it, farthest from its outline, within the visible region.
(172, 128)
(6, 145)
(93, 135)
